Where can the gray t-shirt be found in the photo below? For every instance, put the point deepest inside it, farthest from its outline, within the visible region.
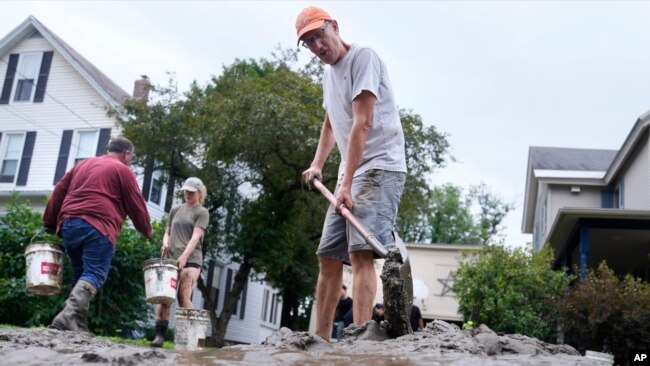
(182, 221)
(362, 69)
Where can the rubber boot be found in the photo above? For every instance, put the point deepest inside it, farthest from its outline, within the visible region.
(75, 313)
(161, 329)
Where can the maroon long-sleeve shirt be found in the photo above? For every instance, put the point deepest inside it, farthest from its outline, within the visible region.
(101, 190)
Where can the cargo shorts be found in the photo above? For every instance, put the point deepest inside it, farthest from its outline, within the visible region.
(376, 194)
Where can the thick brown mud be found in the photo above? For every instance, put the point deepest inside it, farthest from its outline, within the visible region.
(397, 284)
(439, 343)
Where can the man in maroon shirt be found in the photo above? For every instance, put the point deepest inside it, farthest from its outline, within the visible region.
(87, 209)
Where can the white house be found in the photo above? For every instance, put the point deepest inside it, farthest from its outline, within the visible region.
(53, 108)
(53, 113)
(592, 205)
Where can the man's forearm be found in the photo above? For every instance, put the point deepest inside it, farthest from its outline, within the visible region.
(325, 146)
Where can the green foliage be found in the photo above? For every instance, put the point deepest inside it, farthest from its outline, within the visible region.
(452, 221)
(426, 150)
(510, 290)
(18, 227)
(119, 304)
(606, 313)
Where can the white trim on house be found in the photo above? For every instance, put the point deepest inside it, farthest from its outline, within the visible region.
(578, 174)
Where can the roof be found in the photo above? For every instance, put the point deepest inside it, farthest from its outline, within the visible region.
(106, 87)
(577, 166)
(559, 158)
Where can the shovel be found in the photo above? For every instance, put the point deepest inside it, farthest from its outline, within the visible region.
(395, 275)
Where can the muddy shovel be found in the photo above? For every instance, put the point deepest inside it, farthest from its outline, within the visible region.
(395, 275)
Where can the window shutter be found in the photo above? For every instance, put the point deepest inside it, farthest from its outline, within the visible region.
(64, 152)
(227, 291)
(243, 301)
(228, 281)
(26, 159)
(9, 78)
(42, 76)
(104, 137)
(148, 174)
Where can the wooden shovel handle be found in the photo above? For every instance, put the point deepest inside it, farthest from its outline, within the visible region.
(345, 212)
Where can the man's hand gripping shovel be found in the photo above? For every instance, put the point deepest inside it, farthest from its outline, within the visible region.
(395, 276)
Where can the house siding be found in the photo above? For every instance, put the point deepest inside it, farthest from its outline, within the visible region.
(636, 179)
(541, 223)
(70, 103)
(560, 196)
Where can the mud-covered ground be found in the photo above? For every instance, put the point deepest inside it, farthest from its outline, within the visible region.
(439, 344)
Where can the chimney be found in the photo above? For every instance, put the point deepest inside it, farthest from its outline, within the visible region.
(141, 88)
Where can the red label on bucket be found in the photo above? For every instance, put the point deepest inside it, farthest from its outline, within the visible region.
(173, 282)
(50, 268)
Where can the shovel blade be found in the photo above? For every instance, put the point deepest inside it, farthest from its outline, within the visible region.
(397, 284)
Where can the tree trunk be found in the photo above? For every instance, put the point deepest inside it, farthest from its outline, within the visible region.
(171, 183)
(220, 323)
(290, 307)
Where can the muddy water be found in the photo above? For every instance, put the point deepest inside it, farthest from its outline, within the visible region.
(439, 344)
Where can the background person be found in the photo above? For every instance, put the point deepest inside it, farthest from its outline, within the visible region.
(342, 309)
(183, 241)
(378, 312)
(87, 209)
(417, 323)
(362, 119)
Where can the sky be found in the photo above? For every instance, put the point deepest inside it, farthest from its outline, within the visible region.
(496, 76)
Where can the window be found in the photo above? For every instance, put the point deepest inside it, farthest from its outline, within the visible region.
(12, 150)
(213, 280)
(270, 306)
(156, 188)
(85, 146)
(265, 304)
(26, 76)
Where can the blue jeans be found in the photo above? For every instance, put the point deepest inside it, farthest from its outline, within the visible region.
(90, 252)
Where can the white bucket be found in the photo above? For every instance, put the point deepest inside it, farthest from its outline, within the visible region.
(191, 328)
(160, 280)
(43, 268)
(603, 358)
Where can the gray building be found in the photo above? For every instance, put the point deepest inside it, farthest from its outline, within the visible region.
(592, 205)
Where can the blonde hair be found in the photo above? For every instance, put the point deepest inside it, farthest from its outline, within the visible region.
(203, 193)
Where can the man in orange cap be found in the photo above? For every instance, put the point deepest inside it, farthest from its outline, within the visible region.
(362, 119)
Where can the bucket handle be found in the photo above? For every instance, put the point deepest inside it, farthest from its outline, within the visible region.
(38, 231)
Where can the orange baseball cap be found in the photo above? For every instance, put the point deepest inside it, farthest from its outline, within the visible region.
(309, 19)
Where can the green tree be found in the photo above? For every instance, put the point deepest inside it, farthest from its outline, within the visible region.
(163, 134)
(426, 151)
(449, 216)
(510, 291)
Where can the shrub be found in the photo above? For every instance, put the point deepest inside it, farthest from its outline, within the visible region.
(510, 291)
(18, 227)
(606, 313)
